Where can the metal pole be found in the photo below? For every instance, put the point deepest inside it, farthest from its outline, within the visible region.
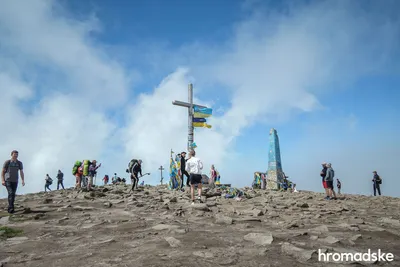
(190, 115)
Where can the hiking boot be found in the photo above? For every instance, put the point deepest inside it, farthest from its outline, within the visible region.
(327, 198)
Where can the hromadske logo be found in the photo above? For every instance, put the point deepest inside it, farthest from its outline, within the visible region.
(356, 257)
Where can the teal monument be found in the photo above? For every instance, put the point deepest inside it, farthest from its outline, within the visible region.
(275, 174)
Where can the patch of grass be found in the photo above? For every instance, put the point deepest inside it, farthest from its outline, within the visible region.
(4, 214)
(19, 218)
(7, 232)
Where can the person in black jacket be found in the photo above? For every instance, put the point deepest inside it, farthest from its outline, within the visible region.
(323, 174)
(183, 170)
(136, 169)
(376, 183)
(60, 179)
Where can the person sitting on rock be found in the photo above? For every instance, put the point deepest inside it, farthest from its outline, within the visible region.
(49, 181)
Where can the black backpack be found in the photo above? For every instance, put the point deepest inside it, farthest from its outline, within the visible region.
(131, 164)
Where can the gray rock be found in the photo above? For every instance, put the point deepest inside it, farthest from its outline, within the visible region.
(203, 254)
(300, 254)
(303, 205)
(173, 242)
(199, 206)
(355, 237)
(173, 200)
(261, 239)
(330, 240)
(4, 220)
(221, 219)
(108, 204)
(160, 227)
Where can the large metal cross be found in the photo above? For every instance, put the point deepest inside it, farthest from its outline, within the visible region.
(189, 105)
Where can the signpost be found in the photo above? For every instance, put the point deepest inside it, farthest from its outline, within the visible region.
(161, 169)
(189, 105)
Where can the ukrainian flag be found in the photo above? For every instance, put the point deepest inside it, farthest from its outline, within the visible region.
(207, 111)
(202, 112)
(201, 124)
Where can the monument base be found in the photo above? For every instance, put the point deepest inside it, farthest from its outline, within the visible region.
(274, 180)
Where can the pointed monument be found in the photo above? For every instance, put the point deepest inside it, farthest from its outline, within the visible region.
(274, 173)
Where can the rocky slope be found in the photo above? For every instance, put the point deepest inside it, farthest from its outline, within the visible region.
(157, 227)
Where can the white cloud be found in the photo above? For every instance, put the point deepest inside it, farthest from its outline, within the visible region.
(55, 85)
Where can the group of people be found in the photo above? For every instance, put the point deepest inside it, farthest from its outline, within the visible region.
(49, 181)
(191, 168)
(328, 175)
(85, 173)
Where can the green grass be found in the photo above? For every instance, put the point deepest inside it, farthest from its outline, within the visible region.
(7, 232)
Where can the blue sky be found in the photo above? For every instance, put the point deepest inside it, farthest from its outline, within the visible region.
(324, 74)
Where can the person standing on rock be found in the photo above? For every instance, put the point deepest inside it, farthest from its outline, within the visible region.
(194, 167)
(135, 170)
(78, 178)
(105, 179)
(213, 177)
(10, 177)
(60, 179)
(183, 170)
(330, 174)
(92, 173)
(339, 185)
(377, 181)
(49, 182)
(323, 174)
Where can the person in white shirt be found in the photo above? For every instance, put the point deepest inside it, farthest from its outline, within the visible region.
(194, 166)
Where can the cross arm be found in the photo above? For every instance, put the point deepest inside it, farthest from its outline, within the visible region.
(185, 104)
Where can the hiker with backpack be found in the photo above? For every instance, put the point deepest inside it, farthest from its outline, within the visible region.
(77, 171)
(10, 177)
(377, 181)
(49, 182)
(134, 168)
(60, 179)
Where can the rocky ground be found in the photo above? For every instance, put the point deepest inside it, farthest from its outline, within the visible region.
(158, 227)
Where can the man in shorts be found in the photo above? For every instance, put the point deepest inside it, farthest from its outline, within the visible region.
(194, 166)
(330, 174)
(10, 177)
